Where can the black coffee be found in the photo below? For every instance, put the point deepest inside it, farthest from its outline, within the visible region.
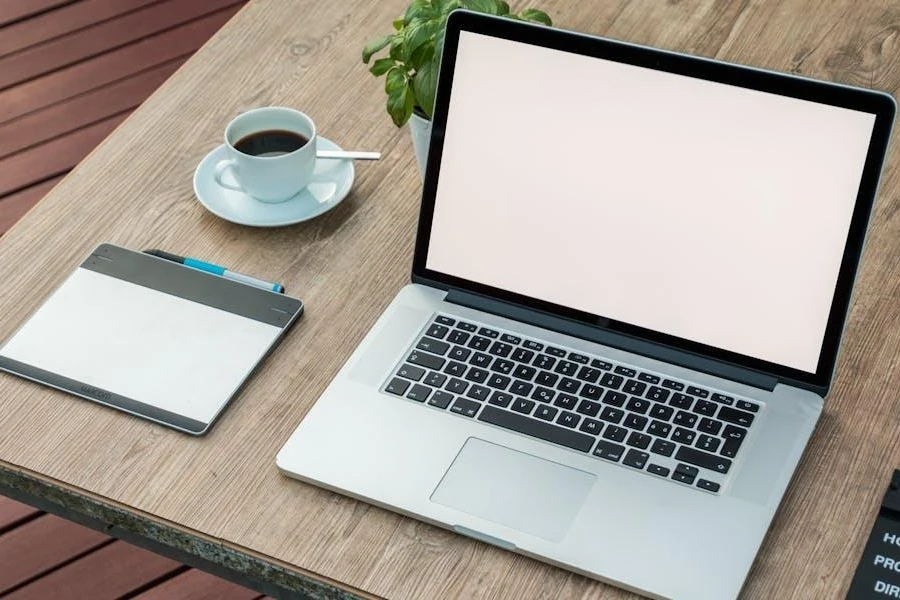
(272, 142)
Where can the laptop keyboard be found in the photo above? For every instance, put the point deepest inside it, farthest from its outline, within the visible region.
(666, 427)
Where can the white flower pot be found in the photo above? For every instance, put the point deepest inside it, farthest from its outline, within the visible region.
(420, 130)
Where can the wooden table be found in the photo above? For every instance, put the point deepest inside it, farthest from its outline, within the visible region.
(218, 501)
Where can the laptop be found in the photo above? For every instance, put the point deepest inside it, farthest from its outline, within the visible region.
(630, 279)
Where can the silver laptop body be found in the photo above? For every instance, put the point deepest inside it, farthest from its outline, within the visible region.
(621, 327)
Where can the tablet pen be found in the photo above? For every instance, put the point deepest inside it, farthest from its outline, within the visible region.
(217, 270)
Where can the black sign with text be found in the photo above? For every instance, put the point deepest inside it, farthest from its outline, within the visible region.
(878, 573)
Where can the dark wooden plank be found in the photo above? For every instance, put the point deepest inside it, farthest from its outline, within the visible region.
(112, 66)
(114, 570)
(13, 513)
(14, 207)
(58, 156)
(102, 37)
(59, 119)
(63, 20)
(41, 545)
(197, 585)
(13, 10)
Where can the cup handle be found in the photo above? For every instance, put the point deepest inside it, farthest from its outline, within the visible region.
(221, 167)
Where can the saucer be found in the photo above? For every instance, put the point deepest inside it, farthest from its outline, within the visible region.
(331, 183)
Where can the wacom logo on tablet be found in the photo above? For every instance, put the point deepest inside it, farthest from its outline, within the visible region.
(99, 394)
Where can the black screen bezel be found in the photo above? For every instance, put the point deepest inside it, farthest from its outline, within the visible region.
(880, 104)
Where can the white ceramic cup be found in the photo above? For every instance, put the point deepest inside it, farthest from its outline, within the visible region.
(269, 178)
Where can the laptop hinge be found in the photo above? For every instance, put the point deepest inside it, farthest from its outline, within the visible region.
(616, 340)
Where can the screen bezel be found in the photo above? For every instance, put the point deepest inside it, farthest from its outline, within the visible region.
(880, 104)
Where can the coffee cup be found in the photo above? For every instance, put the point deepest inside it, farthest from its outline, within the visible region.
(272, 153)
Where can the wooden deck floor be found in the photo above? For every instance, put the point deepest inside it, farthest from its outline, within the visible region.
(70, 71)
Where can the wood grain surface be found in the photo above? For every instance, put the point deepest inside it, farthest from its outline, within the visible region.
(135, 190)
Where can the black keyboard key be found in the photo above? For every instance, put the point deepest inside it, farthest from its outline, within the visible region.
(592, 392)
(437, 331)
(733, 432)
(555, 351)
(542, 361)
(673, 385)
(662, 447)
(639, 440)
(625, 371)
(546, 378)
(636, 458)
(684, 436)
(612, 381)
(545, 412)
(682, 401)
(498, 382)
(601, 364)
(589, 408)
(543, 394)
(458, 337)
(657, 394)
(565, 367)
(733, 415)
(444, 320)
(683, 477)
(477, 375)
(411, 372)
(466, 408)
(419, 393)
(615, 433)
(579, 358)
(567, 384)
(685, 419)
(658, 470)
(614, 398)
(478, 392)
(435, 379)
(520, 388)
(397, 386)
(501, 399)
(723, 399)
(648, 378)
(500, 349)
(440, 399)
(479, 343)
(522, 405)
(661, 412)
(459, 353)
(687, 470)
(744, 405)
(424, 359)
(532, 345)
(659, 429)
(591, 426)
(707, 485)
(730, 448)
(734, 437)
(709, 426)
(566, 401)
(613, 415)
(635, 388)
(705, 408)
(638, 405)
(522, 355)
(568, 419)
(589, 374)
(538, 429)
(609, 451)
(457, 386)
(433, 346)
(466, 326)
(488, 333)
(455, 368)
(501, 365)
(524, 372)
(636, 422)
(480, 359)
(511, 339)
(707, 443)
(698, 392)
(706, 460)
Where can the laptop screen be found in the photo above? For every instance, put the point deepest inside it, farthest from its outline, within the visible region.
(710, 212)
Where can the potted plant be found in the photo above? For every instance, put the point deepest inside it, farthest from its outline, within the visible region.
(413, 55)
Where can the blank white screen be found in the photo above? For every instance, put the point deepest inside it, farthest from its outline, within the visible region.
(701, 210)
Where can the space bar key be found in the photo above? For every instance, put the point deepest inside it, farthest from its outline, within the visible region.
(544, 431)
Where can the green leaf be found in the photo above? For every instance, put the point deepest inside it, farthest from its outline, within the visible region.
(503, 8)
(373, 47)
(449, 7)
(419, 9)
(398, 24)
(417, 34)
(395, 80)
(536, 16)
(400, 101)
(382, 66)
(398, 48)
(421, 56)
(424, 86)
(491, 7)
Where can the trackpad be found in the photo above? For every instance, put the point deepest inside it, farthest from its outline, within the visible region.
(514, 489)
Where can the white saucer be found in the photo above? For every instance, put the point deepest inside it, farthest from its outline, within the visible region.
(331, 183)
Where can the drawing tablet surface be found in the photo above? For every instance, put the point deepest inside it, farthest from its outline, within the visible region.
(150, 337)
